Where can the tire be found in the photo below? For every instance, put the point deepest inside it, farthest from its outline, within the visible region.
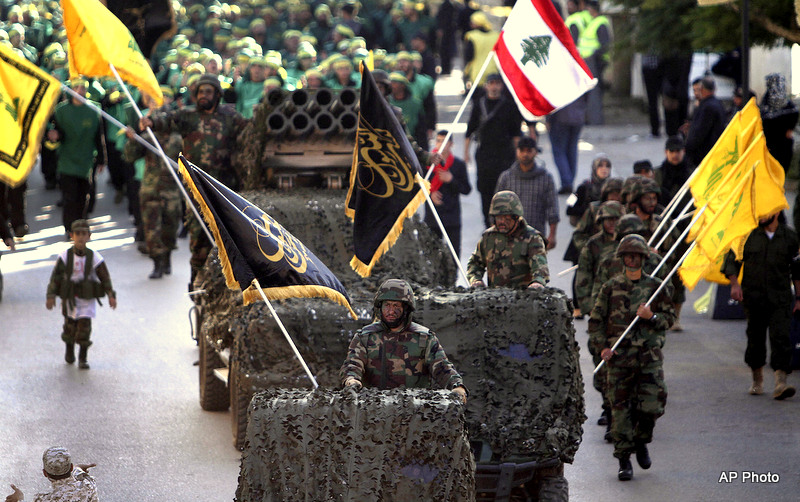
(213, 393)
(240, 400)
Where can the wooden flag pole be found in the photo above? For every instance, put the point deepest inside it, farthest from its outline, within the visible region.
(163, 156)
(285, 333)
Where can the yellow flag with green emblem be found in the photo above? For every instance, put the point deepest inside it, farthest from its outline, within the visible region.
(717, 167)
(98, 39)
(27, 96)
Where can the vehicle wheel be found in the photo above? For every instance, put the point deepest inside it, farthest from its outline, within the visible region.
(213, 394)
(240, 400)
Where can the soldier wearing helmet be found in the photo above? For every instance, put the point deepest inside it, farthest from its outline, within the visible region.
(607, 217)
(394, 351)
(643, 202)
(511, 252)
(636, 388)
(209, 130)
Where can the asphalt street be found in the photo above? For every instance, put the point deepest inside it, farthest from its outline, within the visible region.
(136, 412)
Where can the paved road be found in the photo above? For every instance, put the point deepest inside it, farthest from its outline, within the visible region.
(136, 413)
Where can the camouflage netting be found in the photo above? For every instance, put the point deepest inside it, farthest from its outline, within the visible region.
(400, 445)
(517, 353)
(320, 328)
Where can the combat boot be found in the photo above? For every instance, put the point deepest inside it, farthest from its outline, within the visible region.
(782, 390)
(69, 355)
(158, 268)
(757, 388)
(676, 326)
(643, 456)
(603, 420)
(625, 469)
(82, 364)
(166, 265)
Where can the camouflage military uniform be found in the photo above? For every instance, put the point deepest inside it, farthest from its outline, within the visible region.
(159, 194)
(209, 141)
(512, 260)
(635, 373)
(412, 358)
(79, 487)
(597, 246)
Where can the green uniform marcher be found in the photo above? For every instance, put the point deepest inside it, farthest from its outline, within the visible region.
(636, 385)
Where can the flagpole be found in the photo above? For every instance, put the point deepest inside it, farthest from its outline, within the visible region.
(463, 107)
(285, 333)
(163, 155)
(675, 222)
(653, 297)
(444, 232)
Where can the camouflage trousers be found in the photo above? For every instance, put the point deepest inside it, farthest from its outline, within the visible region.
(638, 397)
(600, 381)
(161, 214)
(77, 331)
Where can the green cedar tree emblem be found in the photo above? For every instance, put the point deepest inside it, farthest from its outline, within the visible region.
(537, 49)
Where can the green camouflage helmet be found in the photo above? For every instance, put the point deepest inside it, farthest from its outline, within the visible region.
(643, 186)
(609, 209)
(629, 224)
(611, 185)
(633, 244)
(505, 202)
(396, 290)
(627, 186)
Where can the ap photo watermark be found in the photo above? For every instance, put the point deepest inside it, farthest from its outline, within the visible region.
(749, 477)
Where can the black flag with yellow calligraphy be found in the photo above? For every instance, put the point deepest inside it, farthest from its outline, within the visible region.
(384, 179)
(252, 245)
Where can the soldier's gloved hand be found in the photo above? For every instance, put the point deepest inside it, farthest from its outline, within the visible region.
(353, 383)
(477, 284)
(644, 312)
(86, 467)
(461, 392)
(607, 354)
(51, 302)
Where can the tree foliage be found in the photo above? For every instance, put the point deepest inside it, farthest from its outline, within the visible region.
(677, 26)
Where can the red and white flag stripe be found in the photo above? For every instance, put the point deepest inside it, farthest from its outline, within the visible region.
(559, 79)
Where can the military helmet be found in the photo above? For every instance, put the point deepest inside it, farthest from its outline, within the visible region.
(609, 209)
(506, 202)
(629, 224)
(633, 244)
(611, 185)
(627, 186)
(641, 187)
(396, 290)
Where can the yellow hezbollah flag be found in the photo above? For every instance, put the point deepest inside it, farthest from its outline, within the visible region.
(27, 96)
(769, 180)
(98, 39)
(720, 169)
(734, 221)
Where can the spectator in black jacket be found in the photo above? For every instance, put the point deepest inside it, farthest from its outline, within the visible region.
(707, 124)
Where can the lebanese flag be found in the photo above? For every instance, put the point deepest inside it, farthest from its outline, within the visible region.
(539, 61)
